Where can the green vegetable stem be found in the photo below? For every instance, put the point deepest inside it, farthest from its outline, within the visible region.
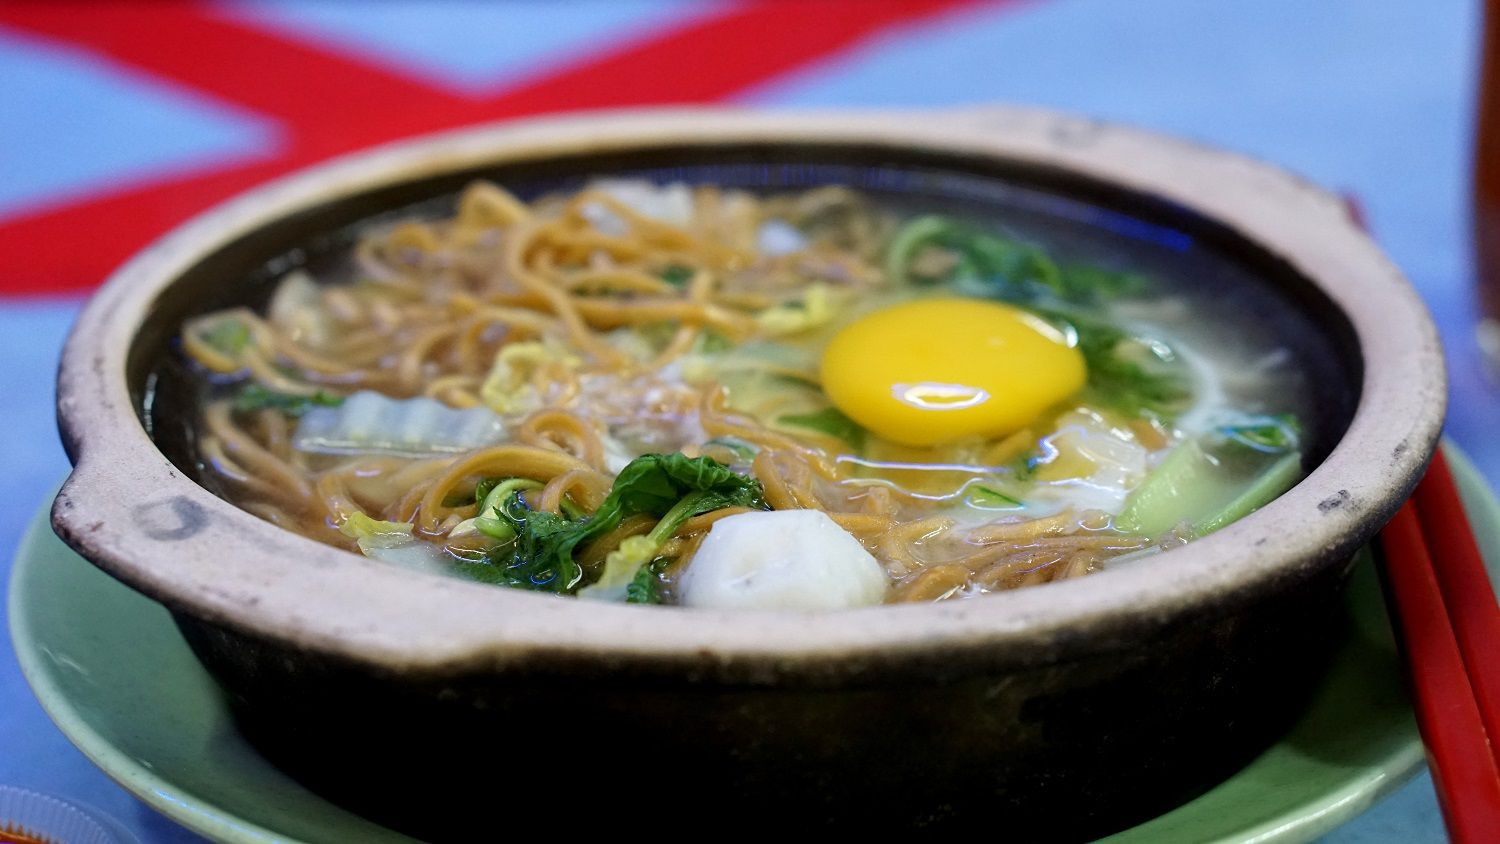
(253, 397)
(1208, 483)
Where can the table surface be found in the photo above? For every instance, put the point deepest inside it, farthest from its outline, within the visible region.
(117, 121)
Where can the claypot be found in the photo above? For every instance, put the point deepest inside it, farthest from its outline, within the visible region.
(447, 708)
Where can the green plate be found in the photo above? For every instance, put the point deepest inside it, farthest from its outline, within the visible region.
(110, 668)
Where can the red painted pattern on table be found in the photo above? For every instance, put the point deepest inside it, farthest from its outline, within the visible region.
(325, 104)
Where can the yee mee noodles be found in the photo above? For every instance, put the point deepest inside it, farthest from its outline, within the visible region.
(694, 395)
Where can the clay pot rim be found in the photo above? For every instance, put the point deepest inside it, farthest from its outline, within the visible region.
(129, 510)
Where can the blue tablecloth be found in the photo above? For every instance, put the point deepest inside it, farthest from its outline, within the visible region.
(1366, 96)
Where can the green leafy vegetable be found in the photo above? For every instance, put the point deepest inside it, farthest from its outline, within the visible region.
(485, 572)
(1083, 283)
(458, 499)
(1275, 434)
(991, 497)
(1023, 466)
(485, 486)
(646, 587)
(794, 379)
(1136, 376)
(571, 510)
(830, 421)
(815, 308)
(229, 336)
(501, 518)
(253, 397)
(712, 342)
(673, 487)
(934, 249)
(478, 494)
(670, 486)
(654, 483)
(492, 519)
(677, 275)
(527, 558)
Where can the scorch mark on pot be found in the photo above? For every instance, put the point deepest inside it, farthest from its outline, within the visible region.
(1334, 502)
(171, 520)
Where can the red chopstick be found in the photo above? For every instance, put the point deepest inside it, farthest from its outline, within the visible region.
(1466, 588)
(1450, 713)
(1444, 608)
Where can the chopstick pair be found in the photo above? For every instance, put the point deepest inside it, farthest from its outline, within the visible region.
(1448, 624)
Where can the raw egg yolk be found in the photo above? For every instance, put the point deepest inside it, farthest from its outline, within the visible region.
(937, 370)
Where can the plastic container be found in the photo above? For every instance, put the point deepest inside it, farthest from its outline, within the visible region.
(53, 821)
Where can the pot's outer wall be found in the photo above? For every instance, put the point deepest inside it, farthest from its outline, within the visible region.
(1069, 751)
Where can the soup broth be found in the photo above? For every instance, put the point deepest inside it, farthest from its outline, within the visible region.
(666, 392)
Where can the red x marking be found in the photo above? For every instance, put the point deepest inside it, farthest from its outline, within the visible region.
(326, 104)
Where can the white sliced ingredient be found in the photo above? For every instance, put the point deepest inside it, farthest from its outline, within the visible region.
(778, 237)
(297, 309)
(1117, 461)
(413, 554)
(782, 560)
(1209, 400)
(616, 455)
(671, 204)
(370, 422)
(393, 542)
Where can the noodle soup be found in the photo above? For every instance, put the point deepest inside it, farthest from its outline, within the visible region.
(684, 394)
